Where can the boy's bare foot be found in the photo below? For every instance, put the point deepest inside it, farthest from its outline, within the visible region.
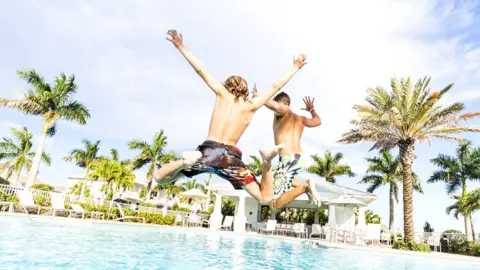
(189, 158)
(312, 191)
(269, 153)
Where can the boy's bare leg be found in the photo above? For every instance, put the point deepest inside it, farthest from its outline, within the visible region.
(288, 197)
(170, 172)
(263, 192)
(291, 195)
(266, 185)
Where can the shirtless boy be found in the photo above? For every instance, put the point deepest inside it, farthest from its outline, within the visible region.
(288, 129)
(231, 116)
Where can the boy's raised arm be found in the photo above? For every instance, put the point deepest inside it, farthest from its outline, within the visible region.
(177, 41)
(264, 97)
(278, 108)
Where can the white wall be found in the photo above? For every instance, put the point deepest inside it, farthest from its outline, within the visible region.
(251, 211)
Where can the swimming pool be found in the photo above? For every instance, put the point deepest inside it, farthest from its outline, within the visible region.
(72, 244)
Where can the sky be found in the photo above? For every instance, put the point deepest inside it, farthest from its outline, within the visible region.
(136, 83)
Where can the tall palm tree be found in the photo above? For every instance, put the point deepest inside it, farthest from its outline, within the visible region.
(52, 103)
(456, 171)
(386, 170)
(472, 204)
(15, 154)
(151, 155)
(401, 117)
(104, 170)
(329, 167)
(83, 158)
(256, 166)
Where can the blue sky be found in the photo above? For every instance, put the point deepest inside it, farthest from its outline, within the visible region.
(135, 83)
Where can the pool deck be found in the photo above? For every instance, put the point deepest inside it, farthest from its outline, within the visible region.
(322, 243)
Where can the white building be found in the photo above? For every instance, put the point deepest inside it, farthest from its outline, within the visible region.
(247, 209)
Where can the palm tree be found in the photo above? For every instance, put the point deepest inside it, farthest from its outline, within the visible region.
(16, 154)
(52, 103)
(401, 117)
(472, 204)
(104, 170)
(151, 155)
(466, 205)
(256, 166)
(371, 217)
(191, 184)
(456, 171)
(329, 167)
(83, 158)
(386, 170)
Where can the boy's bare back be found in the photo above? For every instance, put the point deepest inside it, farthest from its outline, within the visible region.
(288, 129)
(232, 112)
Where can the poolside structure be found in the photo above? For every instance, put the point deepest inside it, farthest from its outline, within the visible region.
(247, 209)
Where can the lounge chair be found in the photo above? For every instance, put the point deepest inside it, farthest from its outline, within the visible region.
(9, 204)
(123, 217)
(25, 199)
(373, 233)
(195, 220)
(316, 231)
(58, 204)
(227, 223)
(78, 209)
(434, 241)
(385, 237)
(271, 225)
(299, 229)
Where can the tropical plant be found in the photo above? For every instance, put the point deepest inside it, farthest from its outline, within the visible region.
(401, 117)
(118, 176)
(83, 158)
(256, 166)
(427, 227)
(44, 187)
(371, 217)
(170, 188)
(52, 102)
(4, 181)
(386, 170)
(456, 171)
(329, 167)
(151, 155)
(15, 154)
(191, 184)
(77, 189)
(466, 205)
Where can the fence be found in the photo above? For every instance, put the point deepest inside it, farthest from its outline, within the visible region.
(69, 199)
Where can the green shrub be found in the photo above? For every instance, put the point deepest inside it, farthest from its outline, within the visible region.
(4, 181)
(410, 245)
(175, 207)
(42, 200)
(148, 205)
(44, 187)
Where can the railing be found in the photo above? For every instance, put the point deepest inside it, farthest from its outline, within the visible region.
(69, 199)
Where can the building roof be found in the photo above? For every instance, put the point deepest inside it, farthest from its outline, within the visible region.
(326, 191)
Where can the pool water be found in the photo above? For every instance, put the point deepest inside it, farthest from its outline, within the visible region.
(72, 244)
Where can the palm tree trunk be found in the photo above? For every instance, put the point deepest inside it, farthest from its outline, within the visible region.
(465, 218)
(84, 183)
(392, 198)
(149, 189)
(32, 175)
(407, 153)
(468, 232)
(18, 177)
(473, 229)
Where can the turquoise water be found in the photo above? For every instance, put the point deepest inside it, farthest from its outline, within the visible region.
(71, 244)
